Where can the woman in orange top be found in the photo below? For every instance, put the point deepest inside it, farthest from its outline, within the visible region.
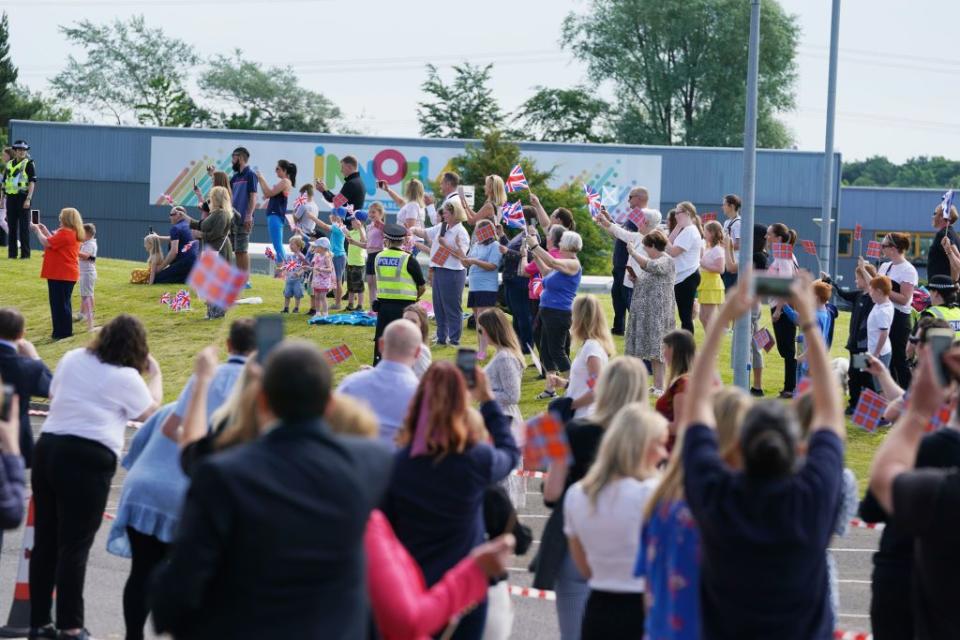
(61, 267)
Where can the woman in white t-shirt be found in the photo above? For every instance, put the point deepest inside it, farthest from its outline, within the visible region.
(589, 326)
(686, 242)
(95, 392)
(903, 278)
(603, 519)
(412, 211)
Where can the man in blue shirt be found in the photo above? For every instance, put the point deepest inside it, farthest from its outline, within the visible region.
(243, 183)
(241, 341)
(389, 386)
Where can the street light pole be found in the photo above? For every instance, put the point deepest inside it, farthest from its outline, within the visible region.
(741, 333)
(826, 202)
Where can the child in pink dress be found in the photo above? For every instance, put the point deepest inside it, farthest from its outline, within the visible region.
(323, 275)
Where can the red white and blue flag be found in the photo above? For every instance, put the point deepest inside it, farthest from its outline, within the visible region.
(513, 214)
(301, 200)
(516, 180)
(593, 200)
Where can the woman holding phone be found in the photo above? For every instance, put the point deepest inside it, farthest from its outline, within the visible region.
(61, 267)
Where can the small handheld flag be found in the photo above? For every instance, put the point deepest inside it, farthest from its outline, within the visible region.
(874, 249)
(946, 203)
(637, 217)
(782, 251)
(763, 339)
(166, 198)
(858, 231)
(546, 442)
(339, 200)
(869, 410)
(188, 246)
(809, 247)
(336, 355)
(534, 358)
(593, 200)
(301, 200)
(709, 216)
(536, 286)
(268, 252)
(215, 280)
(516, 180)
(484, 232)
(441, 256)
(513, 214)
(804, 385)
(165, 298)
(181, 301)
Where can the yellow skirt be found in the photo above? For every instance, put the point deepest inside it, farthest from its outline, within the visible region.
(710, 290)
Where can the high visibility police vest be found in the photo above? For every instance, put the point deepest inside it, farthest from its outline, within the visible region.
(16, 180)
(393, 280)
(950, 314)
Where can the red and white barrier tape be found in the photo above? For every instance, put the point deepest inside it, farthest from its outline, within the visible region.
(523, 473)
(839, 634)
(860, 524)
(41, 412)
(530, 592)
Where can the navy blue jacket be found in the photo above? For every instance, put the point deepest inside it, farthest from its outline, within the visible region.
(31, 378)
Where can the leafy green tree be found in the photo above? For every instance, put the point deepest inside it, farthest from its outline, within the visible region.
(465, 108)
(129, 68)
(920, 172)
(564, 115)
(679, 66)
(269, 99)
(495, 155)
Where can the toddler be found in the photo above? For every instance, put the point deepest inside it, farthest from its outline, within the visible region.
(323, 275)
(356, 265)
(88, 273)
(293, 286)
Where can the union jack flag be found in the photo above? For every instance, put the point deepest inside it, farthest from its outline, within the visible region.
(809, 247)
(289, 267)
(516, 180)
(336, 355)
(593, 199)
(301, 200)
(188, 246)
(858, 231)
(513, 214)
(165, 299)
(536, 286)
(268, 252)
(181, 301)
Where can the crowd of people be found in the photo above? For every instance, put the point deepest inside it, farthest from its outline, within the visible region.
(269, 501)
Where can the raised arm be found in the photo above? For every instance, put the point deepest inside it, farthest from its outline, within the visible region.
(195, 419)
(396, 197)
(569, 266)
(268, 191)
(542, 218)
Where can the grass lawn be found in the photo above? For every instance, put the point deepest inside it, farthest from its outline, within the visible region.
(176, 337)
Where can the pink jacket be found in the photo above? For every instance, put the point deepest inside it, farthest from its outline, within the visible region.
(403, 607)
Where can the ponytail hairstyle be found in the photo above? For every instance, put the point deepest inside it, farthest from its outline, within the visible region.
(688, 208)
(290, 169)
(793, 237)
(783, 233)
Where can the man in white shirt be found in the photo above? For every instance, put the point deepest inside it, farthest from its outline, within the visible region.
(731, 229)
(388, 387)
(449, 182)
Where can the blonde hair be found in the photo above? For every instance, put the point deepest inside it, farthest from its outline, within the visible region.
(501, 335)
(458, 213)
(623, 380)
(624, 449)
(713, 232)
(590, 323)
(70, 219)
(729, 407)
(375, 206)
(690, 209)
(153, 247)
(296, 243)
(349, 417)
(495, 191)
(220, 200)
(239, 411)
(950, 217)
(414, 191)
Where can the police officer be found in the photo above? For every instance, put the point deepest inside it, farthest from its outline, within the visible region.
(21, 180)
(400, 281)
(943, 296)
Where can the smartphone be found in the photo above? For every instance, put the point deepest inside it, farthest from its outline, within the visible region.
(776, 286)
(939, 341)
(35, 216)
(269, 332)
(467, 363)
(382, 184)
(8, 392)
(150, 231)
(859, 361)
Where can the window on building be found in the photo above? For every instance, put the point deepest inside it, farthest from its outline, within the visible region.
(921, 243)
(845, 244)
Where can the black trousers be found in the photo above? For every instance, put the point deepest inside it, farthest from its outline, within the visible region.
(555, 339)
(70, 480)
(685, 292)
(387, 312)
(618, 295)
(857, 381)
(612, 615)
(60, 293)
(899, 335)
(518, 300)
(786, 334)
(18, 221)
(891, 613)
(148, 552)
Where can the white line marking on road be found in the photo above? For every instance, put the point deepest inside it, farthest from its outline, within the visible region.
(854, 581)
(852, 549)
(853, 615)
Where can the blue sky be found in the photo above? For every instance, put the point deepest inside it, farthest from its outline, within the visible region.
(897, 77)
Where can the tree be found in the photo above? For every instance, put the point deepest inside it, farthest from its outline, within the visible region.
(268, 99)
(129, 68)
(465, 108)
(494, 155)
(920, 172)
(678, 67)
(564, 115)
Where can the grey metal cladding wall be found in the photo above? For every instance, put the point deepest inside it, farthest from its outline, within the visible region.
(882, 208)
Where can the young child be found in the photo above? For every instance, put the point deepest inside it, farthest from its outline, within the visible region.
(356, 262)
(323, 275)
(336, 231)
(879, 322)
(293, 286)
(88, 273)
(826, 313)
(373, 245)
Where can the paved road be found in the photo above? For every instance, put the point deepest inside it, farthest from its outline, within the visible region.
(534, 619)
